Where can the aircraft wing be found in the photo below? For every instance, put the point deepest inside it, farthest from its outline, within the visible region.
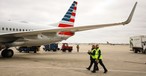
(73, 29)
(89, 27)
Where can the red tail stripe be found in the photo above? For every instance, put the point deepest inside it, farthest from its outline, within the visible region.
(68, 33)
(76, 2)
(73, 14)
(75, 8)
(72, 20)
(65, 25)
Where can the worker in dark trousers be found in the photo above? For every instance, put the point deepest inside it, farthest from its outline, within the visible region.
(99, 58)
(93, 54)
(77, 48)
(91, 59)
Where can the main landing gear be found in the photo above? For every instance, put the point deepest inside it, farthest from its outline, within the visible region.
(7, 53)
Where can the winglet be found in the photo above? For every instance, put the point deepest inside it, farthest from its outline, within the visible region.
(130, 16)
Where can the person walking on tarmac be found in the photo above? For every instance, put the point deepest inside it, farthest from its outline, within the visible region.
(91, 59)
(77, 47)
(99, 58)
(93, 55)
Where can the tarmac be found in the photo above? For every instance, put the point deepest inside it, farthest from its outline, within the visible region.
(118, 59)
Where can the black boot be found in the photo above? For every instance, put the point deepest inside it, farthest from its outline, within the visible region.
(105, 71)
(93, 71)
(88, 68)
(97, 69)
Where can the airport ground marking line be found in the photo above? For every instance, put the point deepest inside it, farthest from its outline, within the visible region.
(128, 71)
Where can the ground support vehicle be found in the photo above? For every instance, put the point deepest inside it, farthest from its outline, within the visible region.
(138, 44)
(28, 49)
(66, 47)
(52, 46)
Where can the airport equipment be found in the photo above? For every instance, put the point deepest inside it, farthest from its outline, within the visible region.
(52, 46)
(138, 44)
(13, 34)
(65, 47)
(28, 49)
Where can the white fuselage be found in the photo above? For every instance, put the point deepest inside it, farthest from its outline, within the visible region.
(32, 40)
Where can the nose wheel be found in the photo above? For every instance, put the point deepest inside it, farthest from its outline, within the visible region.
(7, 53)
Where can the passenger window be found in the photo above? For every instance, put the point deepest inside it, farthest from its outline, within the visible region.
(3, 28)
(10, 29)
(7, 29)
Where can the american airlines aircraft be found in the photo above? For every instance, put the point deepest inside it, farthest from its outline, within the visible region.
(21, 34)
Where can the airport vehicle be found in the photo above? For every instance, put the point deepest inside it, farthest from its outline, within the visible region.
(65, 47)
(138, 43)
(52, 46)
(28, 49)
(22, 34)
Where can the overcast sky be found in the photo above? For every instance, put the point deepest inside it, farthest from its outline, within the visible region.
(89, 12)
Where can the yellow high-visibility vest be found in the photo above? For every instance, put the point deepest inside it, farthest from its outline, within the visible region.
(94, 56)
(98, 54)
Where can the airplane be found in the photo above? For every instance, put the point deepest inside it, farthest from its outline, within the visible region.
(22, 34)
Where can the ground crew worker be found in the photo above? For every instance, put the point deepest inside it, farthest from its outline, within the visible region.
(77, 48)
(144, 47)
(93, 54)
(99, 58)
(91, 59)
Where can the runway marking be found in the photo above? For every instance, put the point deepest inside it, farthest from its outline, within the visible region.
(135, 62)
(110, 70)
(128, 71)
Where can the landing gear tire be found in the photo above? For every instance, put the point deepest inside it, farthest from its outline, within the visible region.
(7, 53)
(63, 50)
(135, 51)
